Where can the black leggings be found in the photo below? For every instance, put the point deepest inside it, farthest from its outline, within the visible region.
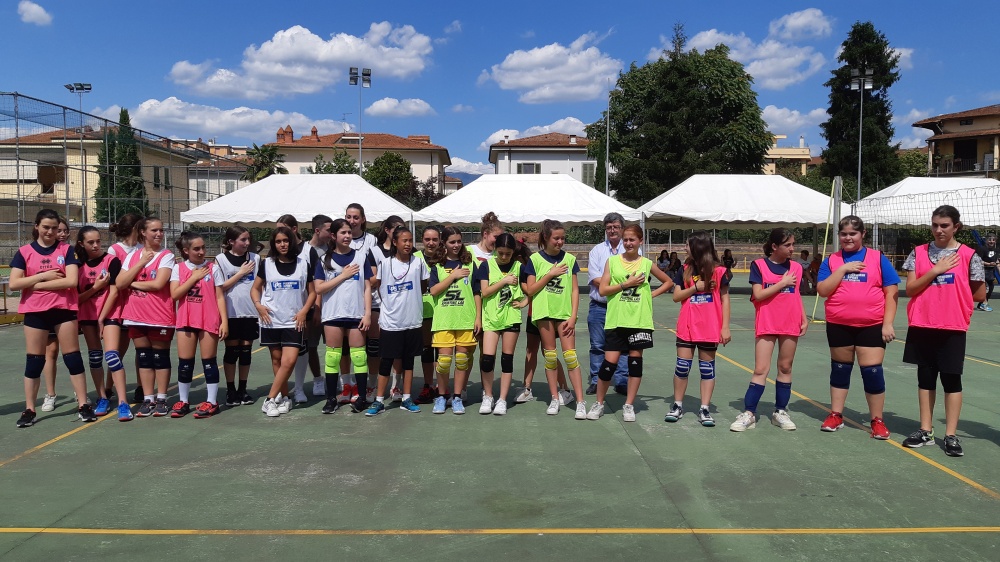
(927, 380)
(990, 281)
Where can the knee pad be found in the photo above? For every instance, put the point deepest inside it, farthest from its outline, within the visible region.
(926, 378)
(461, 361)
(427, 355)
(506, 362)
(569, 355)
(635, 367)
(33, 366)
(444, 365)
(74, 362)
(114, 360)
(606, 372)
(144, 357)
(332, 359)
(211, 367)
(231, 355)
(96, 357)
(874, 379)
(161, 359)
(487, 363)
(840, 374)
(385, 368)
(373, 347)
(185, 370)
(359, 359)
(707, 369)
(551, 359)
(683, 368)
(245, 352)
(951, 383)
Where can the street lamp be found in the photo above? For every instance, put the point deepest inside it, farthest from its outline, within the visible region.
(860, 83)
(366, 82)
(79, 89)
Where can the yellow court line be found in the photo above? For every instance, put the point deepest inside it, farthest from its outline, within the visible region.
(500, 531)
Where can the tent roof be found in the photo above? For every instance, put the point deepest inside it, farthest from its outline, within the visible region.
(757, 201)
(301, 195)
(911, 201)
(525, 200)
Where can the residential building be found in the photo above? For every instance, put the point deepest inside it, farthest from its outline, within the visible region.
(966, 143)
(427, 160)
(798, 155)
(212, 178)
(551, 153)
(451, 185)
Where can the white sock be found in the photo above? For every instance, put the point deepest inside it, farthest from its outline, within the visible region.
(161, 396)
(406, 397)
(184, 390)
(301, 364)
(392, 375)
(380, 399)
(150, 397)
(213, 392)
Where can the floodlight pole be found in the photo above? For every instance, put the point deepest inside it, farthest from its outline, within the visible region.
(861, 80)
(607, 142)
(365, 79)
(79, 89)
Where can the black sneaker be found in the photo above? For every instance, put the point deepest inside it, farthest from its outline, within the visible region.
(27, 419)
(86, 414)
(919, 438)
(592, 389)
(145, 409)
(232, 398)
(246, 399)
(360, 405)
(952, 446)
(160, 409)
(137, 396)
(331, 406)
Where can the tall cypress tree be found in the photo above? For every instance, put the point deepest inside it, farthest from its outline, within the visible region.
(120, 187)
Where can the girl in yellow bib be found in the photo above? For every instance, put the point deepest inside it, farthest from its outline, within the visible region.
(550, 281)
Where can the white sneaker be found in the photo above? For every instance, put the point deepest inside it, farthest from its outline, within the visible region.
(270, 408)
(501, 408)
(319, 387)
(744, 421)
(553, 408)
(565, 398)
(581, 411)
(487, 406)
(628, 413)
(49, 403)
(781, 419)
(395, 395)
(300, 396)
(596, 411)
(284, 404)
(524, 396)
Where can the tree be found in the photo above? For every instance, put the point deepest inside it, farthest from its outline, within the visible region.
(391, 174)
(120, 187)
(865, 48)
(684, 114)
(342, 163)
(264, 161)
(912, 163)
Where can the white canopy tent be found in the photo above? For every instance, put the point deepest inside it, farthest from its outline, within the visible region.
(301, 195)
(911, 201)
(525, 200)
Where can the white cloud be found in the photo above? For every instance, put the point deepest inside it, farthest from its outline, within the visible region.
(498, 136)
(911, 117)
(33, 13)
(905, 57)
(993, 96)
(807, 24)
(180, 119)
(566, 125)
(950, 101)
(784, 121)
(463, 165)
(453, 27)
(297, 61)
(391, 107)
(917, 138)
(556, 73)
(461, 108)
(529, 34)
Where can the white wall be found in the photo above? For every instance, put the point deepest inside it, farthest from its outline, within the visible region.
(552, 162)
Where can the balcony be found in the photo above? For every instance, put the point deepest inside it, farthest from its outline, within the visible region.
(964, 167)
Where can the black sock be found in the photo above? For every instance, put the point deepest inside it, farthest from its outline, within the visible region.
(362, 381)
(331, 385)
(231, 386)
(243, 386)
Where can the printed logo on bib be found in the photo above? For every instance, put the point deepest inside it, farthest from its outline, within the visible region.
(555, 286)
(859, 277)
(248, 278)
(631, 295)
(285, 285)
(944, 279)
(505, 297)
(61, 260)
(789, 289)
(398, 287)
(453, 297)
(194, 294)
(701, 298)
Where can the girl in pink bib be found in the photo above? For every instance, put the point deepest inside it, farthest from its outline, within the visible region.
(780, 321)
(114, 332)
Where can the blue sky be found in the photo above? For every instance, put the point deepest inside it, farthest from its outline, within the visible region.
(465, 73)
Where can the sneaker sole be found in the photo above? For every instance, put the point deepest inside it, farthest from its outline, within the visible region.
(881, 437)
(953, 454)
(917, 445)
(778, 425)
(707, 423)
(742, 428)
(831, 429)
(673, 419)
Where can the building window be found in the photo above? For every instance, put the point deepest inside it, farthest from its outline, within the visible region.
(230, 186)
(156, 176)
(589, 173)
(166, 177)
(529, 168)
(965, 122)
(202, 186)
(305, 169)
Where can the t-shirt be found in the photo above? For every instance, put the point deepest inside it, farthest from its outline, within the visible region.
(114, 267)
(988, 254)
(401, 293)
(889, 275)
(529, 268)
(976, 270)
(284, 268)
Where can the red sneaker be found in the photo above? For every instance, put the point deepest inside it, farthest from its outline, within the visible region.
(345, 394)
(206, 410)
(180, 409)
(426, 396)
(833, 422)
(879, 430)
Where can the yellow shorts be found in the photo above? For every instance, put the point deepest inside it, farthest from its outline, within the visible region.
(452, 338)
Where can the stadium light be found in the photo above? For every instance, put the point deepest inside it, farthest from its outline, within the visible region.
(79, 88)
(365, 80)
(861, 80)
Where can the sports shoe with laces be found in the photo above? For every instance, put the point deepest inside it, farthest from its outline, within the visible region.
(358, 406)
(206, 410)
(676, 413)
(879, 430)
(553, 408)
(596, 411)
(160, 408)
(102, 408)
(524, 396)
(744, 421)
(375, 409)
(395, 395)
(919, 438)
(487, 406)
(409, 405)
(27, 419)
(319, 387)
(124, 412)
(705, 417)
(232, 398)
(300, 396)
(440, 405)
(270, 408)
(426, 395)
(952, 446)
(284, 404)
(86, 414)
(500, 409)
(180, 410)
(581, 411)
(986, 308)
(565, 397)
(780, 418)
(331, 406)
(137, 396)
(49, 403)
(145, 409)
(833, 422)
(628, 413)
(457, 407)
(246, 399)
(345, 393)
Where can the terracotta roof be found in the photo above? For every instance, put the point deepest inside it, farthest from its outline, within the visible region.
(371, 140)
(979, 112)
(73, 135)
(548, 140)
(966, 134)
(50, 137)
(449, 179)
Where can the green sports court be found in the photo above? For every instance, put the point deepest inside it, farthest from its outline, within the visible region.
(524, 486)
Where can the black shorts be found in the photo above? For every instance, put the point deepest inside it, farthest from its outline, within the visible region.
(942, 350)
(244, 329)
(530, 328)
(839, 335)
(345, 324)
(624, 340)
(513, 328)
(702, 345)
(282, 337)
(400, 344)
(48, 319)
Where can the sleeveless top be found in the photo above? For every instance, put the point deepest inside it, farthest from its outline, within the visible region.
(347, 300)
(90, 309)
(700, 317)
(238, 301)
(455, 308)
(497, 310)
(120, 251)
(946, 303)
(284, 295)
(149, 308)
(199, 308)
(632, 307)
(555, 300)
(858, 300)
(40, 300)
(781, 314)
(428, 299)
